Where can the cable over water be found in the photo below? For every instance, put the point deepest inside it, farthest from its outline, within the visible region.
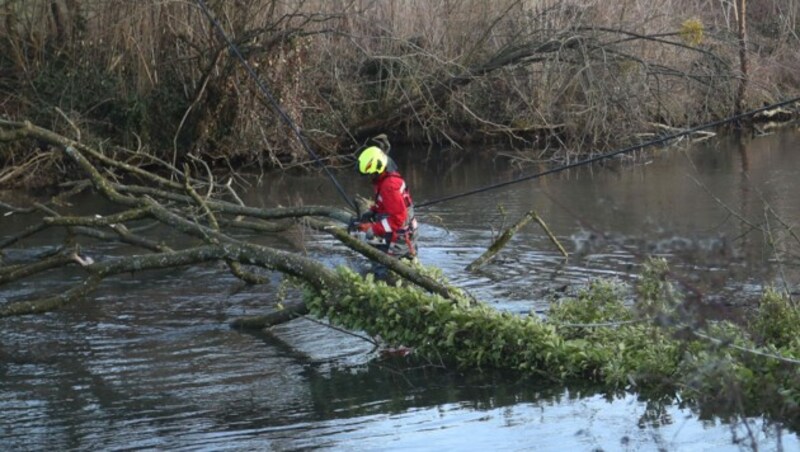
(597, 158)
(268, 94)
(265, 90)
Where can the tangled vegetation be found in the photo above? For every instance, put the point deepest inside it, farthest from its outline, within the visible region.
(649, 344)
(647, 340)
(562, 77)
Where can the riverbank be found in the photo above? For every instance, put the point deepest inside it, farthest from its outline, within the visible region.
(560, 78)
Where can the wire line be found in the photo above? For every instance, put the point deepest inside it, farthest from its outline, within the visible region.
(597, 158)
(265, 90)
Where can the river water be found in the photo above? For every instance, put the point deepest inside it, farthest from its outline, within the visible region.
(149, 362)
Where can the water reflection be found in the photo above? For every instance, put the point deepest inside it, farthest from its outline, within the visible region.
(150, 362)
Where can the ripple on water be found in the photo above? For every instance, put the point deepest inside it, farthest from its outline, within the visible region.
(149, 362)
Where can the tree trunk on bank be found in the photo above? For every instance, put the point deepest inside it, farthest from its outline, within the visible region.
(741, 19)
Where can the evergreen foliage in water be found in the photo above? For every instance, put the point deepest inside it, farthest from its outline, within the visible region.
(649, 344)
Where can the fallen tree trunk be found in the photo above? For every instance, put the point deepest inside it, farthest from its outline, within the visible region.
(316, 275)
(181, 207)
(595, 336)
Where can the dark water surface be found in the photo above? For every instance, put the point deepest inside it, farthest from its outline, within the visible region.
(150, 362)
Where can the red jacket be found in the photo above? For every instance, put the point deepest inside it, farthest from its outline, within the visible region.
(392, 201)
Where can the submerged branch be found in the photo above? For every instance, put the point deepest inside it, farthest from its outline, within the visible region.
(550, 234)
(500, 242)
(20, 271)
(284, 314)
(315, 274)
(47, 304)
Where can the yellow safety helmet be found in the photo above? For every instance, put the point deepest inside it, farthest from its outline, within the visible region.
(372, 161)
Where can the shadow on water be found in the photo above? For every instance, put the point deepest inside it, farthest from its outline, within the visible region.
(150, 363)
(400, 403)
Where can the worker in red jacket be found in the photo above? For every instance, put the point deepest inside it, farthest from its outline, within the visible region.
(391, 218)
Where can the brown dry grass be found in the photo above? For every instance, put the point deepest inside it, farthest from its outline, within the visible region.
(155, 72)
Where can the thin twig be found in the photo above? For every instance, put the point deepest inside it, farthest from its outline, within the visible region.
(597, 325)
(72, 124)
(341, 330)
(778, 259)
(723, 205)
(745, 349)
(550, 234)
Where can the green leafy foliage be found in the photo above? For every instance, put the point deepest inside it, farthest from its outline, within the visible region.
(596, 336)
(777, 319)
(655, 295)
(601, 301)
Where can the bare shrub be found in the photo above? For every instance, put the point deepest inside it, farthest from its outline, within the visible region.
(564, 76)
